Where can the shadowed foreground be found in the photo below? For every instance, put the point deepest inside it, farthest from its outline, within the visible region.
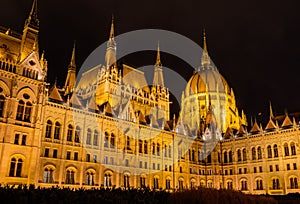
(24, 195)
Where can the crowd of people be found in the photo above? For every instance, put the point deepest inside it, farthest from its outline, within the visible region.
(29, 194)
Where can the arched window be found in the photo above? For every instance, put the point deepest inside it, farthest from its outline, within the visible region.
(275, 150)
(293, 148)
(259, 155)
(15, 167)
(48, 175)
(126, 181)
(225, 157)
(170, 151)
(106, 139)
(70, 133)
(244, 185)
(259, 184)
(168, 183)
(158, 149)
(153, 148)
(70, 174)
(165, 150)
(95, 142)
(89, 180)
(155, 183)
(20, 110)
(2, 101)
(107, 180)
(112, 140)
(253, 153)
(286, 149)
(57, 130)
(89, 136)
(77, 134)
(48, 129)
(239, 154)
(244, 155)
(230, 156)
(269, 149)
(145, 147)
(293, 183)
(27, 113)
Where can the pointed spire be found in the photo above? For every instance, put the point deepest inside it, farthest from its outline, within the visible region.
(158, 62)
(271, 110)
(71, 76)
(72, 62)
(205, 60)
(32, 19)
(111, 35)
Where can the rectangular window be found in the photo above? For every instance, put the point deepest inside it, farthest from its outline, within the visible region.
(170, 168)
(105, 160)
(226, 172)
(17, 136)
(240, 170)
(277, 167)
(95, 158)
(231, 172)
(47, 152)
(158, 166)
(254, 170)
(260, 169)
(141, 164)
(245, 170)
(112, 161)
(271, 168)
(153, 166)
(126, 162)
(55, 153)
(288, 167)
(166, 167)
(68, 155)
(146, 165)
(76, 156)
(295, 166)
(24, 139)
(88, 157)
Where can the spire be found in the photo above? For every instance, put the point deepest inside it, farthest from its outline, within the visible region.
(110, 56)
(205, 60)
(29, 41)
(158, 62)
(72, 64)
(158, 79)
(271, 110)
(71, 76)
(32, 19)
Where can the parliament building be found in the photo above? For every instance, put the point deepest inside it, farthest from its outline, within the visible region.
(106, 129)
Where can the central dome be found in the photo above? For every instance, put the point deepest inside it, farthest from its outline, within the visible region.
(206, 80)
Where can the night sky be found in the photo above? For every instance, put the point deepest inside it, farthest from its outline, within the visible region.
(254, 44)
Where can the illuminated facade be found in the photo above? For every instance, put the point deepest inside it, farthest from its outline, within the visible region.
(115, 131)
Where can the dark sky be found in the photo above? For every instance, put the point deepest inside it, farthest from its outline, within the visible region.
(255, 44)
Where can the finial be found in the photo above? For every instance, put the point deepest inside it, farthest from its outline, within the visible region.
(33, 19)
(271, 110)
(205, 60)
(7, 32)
(158, 62)
(111, 35)
(72, 62)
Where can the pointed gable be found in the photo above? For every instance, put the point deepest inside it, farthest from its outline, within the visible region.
(242, 131)
(229, 133)
(30, 67)
(270, 126)
(55, 95)
(74, 101)
(91, 105)
(255, 129)
(287, 122)
(107, 109)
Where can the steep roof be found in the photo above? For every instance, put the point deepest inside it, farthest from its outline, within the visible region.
(54, 94)
(287, 121)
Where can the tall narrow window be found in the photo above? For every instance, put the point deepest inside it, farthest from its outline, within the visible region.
(126, 181)
(253, 153)
(158, 149)
(27, 114)
(106, 138)
(230, 156)
(2, 100)
(48, 175)
(112, 140)
(88, 137)
(275, 150)
(293, 148)
(107, 180)
(70, 133)
(286, 150)
(77, 134)
(24, 139)
(48, 129)
(259, 155)
(57, 130)
(155, 183)
(95, 142)
(276, 184)
(244, 155)
(140, 146)
(17, 136)
(90, 178)
(20, 110)
(269, 149)
(12, 167)
(142, 182)
(70, 177)
(145, 147)
(225, 157)
(19, 168)
(239, 155)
